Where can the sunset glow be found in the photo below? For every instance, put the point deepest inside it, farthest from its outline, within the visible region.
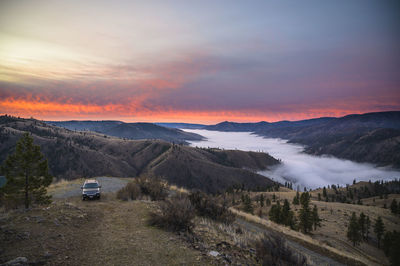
(204, 62)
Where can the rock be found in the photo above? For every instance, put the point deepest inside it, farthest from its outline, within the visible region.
(213, 253)
(56, 222)
(24, 235)
(47, 254)
(20, 261)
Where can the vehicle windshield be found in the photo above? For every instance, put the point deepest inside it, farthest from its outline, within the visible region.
(91, 185)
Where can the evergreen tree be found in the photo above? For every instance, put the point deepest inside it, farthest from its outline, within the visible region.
(324, 192)
(248, 206)
(268, 202)
(296, 199)
(287, 215)
(393, 206)
(275, 213)
(305, 215)
(315, 218)
(379, 229)
(391, 246)
(367, 227)
(362, 223)
(319, 196)
(262, 200)
(27, 174)
(273, 197)
(353, 230)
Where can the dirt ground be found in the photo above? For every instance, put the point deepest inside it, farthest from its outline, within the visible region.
(105, 232)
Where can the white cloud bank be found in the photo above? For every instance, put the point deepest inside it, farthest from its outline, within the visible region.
(300, 168)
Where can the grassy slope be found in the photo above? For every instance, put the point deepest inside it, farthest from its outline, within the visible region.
(335, 216)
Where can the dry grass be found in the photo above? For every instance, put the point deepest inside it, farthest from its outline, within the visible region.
(64, 184)
(177, 189)
(302, 238)
(335, 217)
(105, 232)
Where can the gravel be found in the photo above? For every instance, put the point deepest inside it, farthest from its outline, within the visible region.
(108, 184)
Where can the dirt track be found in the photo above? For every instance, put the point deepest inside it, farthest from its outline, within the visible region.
(73, 189)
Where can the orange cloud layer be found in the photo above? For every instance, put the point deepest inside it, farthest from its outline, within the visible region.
(134, 112)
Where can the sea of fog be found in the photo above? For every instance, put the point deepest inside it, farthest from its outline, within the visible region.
(300, 168)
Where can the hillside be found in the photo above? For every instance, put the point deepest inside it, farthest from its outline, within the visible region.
(129, 130)
(181, 125)
(334, 215)
(372, 137)
(74, 154)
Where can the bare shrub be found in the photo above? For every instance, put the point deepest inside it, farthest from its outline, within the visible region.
(207, 206)
(153, 187)
(272, 250)
(130, 192)
(175, 214)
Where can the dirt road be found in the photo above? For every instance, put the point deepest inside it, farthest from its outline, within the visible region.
(73, 189)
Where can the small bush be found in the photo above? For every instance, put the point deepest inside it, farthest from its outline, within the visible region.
(207, 206)
(272, 250)
(130, 192)
(153, 187)
(175, 214)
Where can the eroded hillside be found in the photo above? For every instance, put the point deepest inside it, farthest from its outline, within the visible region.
(74, 154)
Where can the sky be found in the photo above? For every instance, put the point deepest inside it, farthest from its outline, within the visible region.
(198, 61)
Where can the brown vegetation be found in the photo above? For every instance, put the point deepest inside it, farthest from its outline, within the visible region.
(74, 154)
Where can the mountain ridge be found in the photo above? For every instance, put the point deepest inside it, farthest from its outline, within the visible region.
(74, 154)
(121, 129)
(371, 137)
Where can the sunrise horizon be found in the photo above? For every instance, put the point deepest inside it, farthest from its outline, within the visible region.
(198, 63)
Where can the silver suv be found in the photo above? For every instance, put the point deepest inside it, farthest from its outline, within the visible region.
(91, 189)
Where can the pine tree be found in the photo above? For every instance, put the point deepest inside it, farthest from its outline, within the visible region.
(248, 206)
(362, 223)
(315, 218)
(287, 216)
(305, 215)
(296, 199)
(367, 227)
(379, 229)
(275, 214)
(324, 193)
(27, 174)
(393, 206)
(353, 230)
(268, 202)
(262, 200)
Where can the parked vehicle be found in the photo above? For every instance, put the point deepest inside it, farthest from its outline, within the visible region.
(91, 189)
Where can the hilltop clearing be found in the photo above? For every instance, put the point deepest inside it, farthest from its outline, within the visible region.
(113, 232)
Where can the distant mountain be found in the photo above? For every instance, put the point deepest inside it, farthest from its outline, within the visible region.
(74, 154)
(129, 130)
(371, 137)
(181, 125)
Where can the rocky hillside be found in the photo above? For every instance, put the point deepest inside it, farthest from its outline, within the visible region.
(74, 154)
(129, 130)
(372, 137)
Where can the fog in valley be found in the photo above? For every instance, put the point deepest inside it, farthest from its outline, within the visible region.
(297, 167)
